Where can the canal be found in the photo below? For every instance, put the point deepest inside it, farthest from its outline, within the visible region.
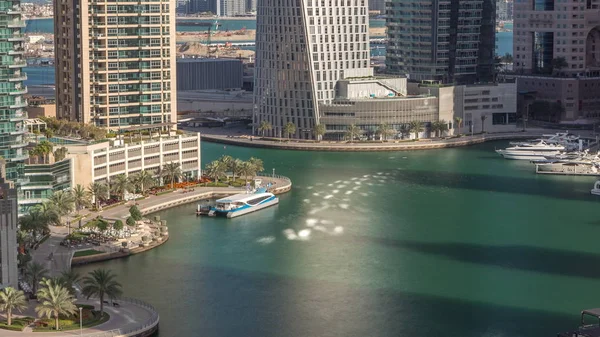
(451, 242)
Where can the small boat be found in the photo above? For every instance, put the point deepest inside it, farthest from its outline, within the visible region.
(596, 189)
(244, 203)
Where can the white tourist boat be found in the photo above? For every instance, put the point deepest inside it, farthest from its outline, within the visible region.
(244, 203)
(533, 151)
(596, 189)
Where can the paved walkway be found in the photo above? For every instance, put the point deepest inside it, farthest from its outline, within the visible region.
(127, 316)
(231, 136)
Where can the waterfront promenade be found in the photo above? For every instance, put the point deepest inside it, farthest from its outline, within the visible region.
(235, 136)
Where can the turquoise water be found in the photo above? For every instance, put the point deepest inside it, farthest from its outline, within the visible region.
(452, 242)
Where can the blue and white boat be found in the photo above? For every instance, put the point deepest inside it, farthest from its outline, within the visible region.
(244, 203)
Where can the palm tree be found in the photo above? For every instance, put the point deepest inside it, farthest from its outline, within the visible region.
(264, 126)
(81, 197)
(54, 300)
(12, 299)
(144, 181)
(483, 118)
(34, 273)
(172, 173)
(48, 133)
(226, 161)
(289, 129)
(319, 130)
(384, 130)
(34, 222)
(458, 121)
(45, 148)
(48, 211)
(247, 169)
(257, 164)
(63, 202)
(416, 127)
(119, 185)
(352, 132)
(101, 282)
(99, 192)
(215, 170)
(234, 167)
(69, 279)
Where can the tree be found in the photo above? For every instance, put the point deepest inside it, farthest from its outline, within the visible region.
(234, 167)
(120, 185)
(44, 148)
(384, 130)
(54, 300)
(289, 129)
(48, 133)
(416, 127)
(81, 197)
(144, 180)
(257, 163)
(12, 299)
(353, 131)
(247, 169)
(264, 126)
(130, 222)
(226, 162)
(405, 130)
(101, 224)
(215, 170)
(118, 225)
(34, 273)
(98, 191)
(438, 127)
(483, 118)
(558, 64)
(318, 131)
(135, 213)
(60, 154)
(34, 222)
(63, 203)
(172, 173)
(69, 278)
(458, 121)
(101, 282)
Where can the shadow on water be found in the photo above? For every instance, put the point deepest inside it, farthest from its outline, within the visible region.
(240, 303)
(542, 260)
(492, 183)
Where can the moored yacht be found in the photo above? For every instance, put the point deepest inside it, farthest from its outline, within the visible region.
(596, 189)
(244, 203)
(534, 151)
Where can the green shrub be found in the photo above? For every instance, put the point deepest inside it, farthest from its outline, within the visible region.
(130, 222)
(135, 213)
(111, 135)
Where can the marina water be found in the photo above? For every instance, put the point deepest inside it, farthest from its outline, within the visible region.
(450, 242)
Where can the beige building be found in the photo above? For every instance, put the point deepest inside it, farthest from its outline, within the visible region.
(545, 30)
(103, 161)
(8, 234)
(115, 62)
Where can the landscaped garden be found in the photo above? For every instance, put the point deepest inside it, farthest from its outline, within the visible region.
(90, 318)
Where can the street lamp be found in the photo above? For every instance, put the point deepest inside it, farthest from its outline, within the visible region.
(80, 321)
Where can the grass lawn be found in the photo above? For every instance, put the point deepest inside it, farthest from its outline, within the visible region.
(87, 252)
(91, 318)
(18, 324)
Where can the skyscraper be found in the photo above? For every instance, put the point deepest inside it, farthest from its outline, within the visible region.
(302, 49)
(12, 103)
(115, 62)
(8, 233)
(452, 41)
(548, 30)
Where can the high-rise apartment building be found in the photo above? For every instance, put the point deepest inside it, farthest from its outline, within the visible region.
(231, 7)
(449, 41)
(302, 49)
(12, 103)
(8, 233)
(115, 62)
(548, 30)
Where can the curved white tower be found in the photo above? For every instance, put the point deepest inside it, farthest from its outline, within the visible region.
(303, 47)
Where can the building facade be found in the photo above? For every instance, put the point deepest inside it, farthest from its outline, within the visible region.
(487, 107)
(447, 41)
(43, 181)
(103, 161)
(12, 103)
(548, 30)
(8, 234)
(209, 74)
(115, 63)
(231, 7)
(302, 49)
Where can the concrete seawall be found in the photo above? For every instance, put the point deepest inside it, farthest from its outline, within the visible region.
(372, 146)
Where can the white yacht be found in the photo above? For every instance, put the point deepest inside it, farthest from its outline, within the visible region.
(596, 189)
(569, 167)
(244, 203)
(531, 151)
(557, 138)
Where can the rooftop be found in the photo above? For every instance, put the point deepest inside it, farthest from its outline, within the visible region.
(206, 60)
